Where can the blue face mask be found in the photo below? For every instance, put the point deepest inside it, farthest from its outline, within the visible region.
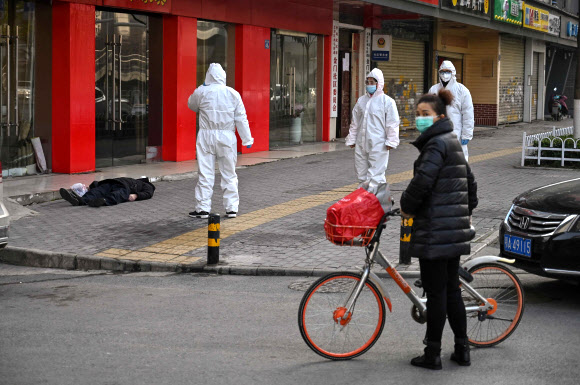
(371, 89)
(423, 123)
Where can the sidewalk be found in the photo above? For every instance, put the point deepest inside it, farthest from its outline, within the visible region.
(44, 188)
(278, 231)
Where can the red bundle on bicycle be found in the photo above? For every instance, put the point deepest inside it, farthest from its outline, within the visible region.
(356, 214)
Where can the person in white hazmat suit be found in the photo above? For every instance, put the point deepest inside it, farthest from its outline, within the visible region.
(460, 112)
(221, 111)
(374, 131)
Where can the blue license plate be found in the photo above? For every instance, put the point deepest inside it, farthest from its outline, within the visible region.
(517, 245)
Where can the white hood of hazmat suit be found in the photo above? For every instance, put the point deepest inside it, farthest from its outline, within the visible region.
(460, 112)
(374, 126)
(221, 111)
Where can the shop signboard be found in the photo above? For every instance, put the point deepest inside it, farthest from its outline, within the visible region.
(430, 2)
(571, 30)
(382, 47)
(536, 18)
(479, 8)
(554, 25)
(509, 11)
(368, 44)
(334, 71)
(162, 6)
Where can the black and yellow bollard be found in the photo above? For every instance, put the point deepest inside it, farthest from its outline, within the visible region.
(213, 239)
(404, 256)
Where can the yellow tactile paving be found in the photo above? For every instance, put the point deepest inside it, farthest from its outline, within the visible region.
(495, 154)
(173, 249)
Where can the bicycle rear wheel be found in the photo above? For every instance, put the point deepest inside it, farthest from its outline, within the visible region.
(503, 289)
(320, 323)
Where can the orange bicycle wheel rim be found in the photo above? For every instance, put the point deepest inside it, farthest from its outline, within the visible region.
(368, 343)
(497, 306)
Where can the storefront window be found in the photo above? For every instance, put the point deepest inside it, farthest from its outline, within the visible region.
(121, 88)
(17, 22)
(212, 47)
(293, 89)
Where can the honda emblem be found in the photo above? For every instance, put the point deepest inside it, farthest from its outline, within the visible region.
(524, 223)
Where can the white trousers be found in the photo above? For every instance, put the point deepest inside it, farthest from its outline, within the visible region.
(216, 146)
(371, 166)
(465, 152)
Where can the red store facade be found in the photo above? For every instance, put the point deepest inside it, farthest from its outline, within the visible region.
(143, 58)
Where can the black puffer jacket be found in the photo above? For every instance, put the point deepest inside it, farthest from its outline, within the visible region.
(441, 195)
(142, 187)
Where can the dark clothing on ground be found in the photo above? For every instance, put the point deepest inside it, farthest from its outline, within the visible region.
(440, 280)
(113, 194)
(441, 195)
(117, 190)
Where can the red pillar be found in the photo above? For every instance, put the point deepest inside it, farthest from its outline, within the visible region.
(73, 87)
(253, 82)
(179, 76)
(326, 89)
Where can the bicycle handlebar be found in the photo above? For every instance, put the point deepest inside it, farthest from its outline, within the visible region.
(383, 223)
(393, 213)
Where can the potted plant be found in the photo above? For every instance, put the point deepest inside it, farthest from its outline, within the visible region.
(296, 127)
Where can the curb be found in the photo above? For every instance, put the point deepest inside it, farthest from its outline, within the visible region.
(49, 259)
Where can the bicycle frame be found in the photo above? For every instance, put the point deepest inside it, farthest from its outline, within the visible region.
(374, 255)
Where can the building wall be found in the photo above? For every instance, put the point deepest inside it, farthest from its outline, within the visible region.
(480, 48)
(252, 76)
(532, 46)
(312, 16)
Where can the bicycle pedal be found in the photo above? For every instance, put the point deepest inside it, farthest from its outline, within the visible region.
(418, 283)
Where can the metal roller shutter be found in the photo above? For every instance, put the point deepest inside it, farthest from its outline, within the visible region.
(511, 80)
(536, 63)
(404, 77)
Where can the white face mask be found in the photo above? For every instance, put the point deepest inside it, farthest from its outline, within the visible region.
(445, 76)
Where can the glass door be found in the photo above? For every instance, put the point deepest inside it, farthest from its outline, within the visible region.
(17, 87)
(121, 88)
(293, 89)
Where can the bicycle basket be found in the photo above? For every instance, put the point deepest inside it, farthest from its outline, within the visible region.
(343, 235)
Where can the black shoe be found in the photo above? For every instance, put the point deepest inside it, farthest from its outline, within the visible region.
(69, 197)
(231, 214)
(98, 202)
(199, 214)
(461, 354)
(431, 359)
(78, 197)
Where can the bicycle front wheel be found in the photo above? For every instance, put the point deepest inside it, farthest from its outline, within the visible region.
(500, 286)
(321, 323)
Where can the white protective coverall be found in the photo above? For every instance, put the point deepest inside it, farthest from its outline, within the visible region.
(460, 112)
(221, 111)
(374, 126)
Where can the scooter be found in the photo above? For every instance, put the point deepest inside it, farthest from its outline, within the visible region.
(558, 106)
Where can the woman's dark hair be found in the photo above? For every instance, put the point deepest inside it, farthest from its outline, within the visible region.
(438, 102)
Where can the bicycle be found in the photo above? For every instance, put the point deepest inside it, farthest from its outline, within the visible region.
(342, 314)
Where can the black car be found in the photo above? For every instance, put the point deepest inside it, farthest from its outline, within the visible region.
(542, 230)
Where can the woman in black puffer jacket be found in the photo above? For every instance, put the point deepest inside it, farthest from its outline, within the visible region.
(440, 198)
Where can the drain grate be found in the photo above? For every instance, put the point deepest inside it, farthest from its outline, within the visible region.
(335, 286)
